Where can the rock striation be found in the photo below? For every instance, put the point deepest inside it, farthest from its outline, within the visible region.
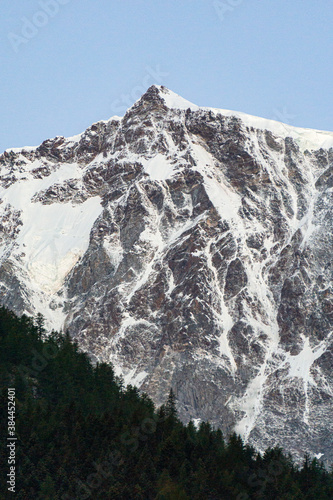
(192, 248)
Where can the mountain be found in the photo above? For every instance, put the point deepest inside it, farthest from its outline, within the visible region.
(192, 248)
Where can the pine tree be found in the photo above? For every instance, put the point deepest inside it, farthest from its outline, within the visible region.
(71, 415)
(40, 324)
(170, 407)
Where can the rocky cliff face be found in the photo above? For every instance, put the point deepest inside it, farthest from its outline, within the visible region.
(192, 248)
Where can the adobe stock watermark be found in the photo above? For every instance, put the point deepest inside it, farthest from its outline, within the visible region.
(31, 27)
(282, 115)
(152, 76)
(223, 8)
(39, 361)
(260, 480)
(103, 470)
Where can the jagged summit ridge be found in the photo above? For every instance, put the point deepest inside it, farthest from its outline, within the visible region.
(192, 248)
(160, 95)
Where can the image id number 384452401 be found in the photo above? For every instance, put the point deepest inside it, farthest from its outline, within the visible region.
(11, 441)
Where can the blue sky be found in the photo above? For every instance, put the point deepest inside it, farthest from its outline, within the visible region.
(68, 63)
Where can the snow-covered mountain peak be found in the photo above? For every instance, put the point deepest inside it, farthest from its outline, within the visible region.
(192, 247)
(161, 95)
(175, 101)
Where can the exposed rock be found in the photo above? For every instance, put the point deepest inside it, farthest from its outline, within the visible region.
(192, 248)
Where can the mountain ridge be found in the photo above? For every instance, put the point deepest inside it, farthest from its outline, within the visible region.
(192, 250)
(181, 103)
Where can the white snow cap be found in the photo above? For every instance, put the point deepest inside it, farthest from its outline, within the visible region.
(306, 138)
(175, 101)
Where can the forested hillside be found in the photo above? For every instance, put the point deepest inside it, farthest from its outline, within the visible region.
(82, 434)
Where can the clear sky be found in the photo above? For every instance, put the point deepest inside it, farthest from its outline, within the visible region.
(68, 63)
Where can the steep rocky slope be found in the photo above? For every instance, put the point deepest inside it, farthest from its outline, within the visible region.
(192, 247)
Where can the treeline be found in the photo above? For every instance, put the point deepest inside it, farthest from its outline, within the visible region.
(82, 434)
